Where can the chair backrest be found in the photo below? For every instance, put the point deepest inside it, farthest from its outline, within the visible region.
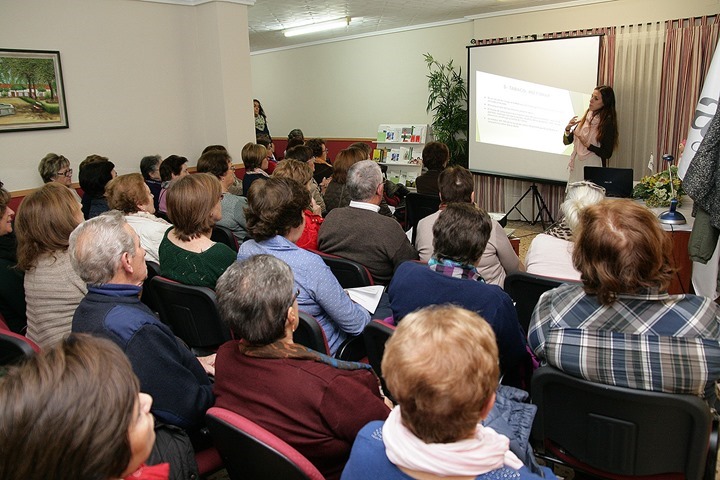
(310, 334)
(148, 298)
(191, 312)
(224, 235)
(621, 431)
(15, 348)
(376, 333)
(250, 452)
(417, 207)
(525, 290)
(349, 274)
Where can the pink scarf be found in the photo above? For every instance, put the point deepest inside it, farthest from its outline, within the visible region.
(589, 131)
(486, 452)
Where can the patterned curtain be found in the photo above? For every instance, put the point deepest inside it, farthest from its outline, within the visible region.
(689, 47)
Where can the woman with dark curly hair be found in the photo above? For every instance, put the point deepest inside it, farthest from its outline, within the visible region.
(275, 220)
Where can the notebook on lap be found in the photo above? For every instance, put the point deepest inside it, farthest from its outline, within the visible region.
(618, 182)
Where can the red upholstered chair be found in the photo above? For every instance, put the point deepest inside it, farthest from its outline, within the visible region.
(13, 346)
(250, 452)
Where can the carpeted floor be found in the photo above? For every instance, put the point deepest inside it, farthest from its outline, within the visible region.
(525, 232)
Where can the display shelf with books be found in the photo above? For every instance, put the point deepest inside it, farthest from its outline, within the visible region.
(399, 147)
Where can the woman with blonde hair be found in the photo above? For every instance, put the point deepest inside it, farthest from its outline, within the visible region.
(441, 366)
(53, 290)
(131, 195)
(75, 410)
(303, 174)
(187, 254)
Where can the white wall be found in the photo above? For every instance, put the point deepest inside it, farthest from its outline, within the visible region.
(133, 82)
(346, 89)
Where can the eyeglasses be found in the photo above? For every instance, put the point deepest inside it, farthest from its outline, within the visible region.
(66, 173)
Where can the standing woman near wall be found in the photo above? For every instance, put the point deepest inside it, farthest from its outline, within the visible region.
(594, 136)
(261, 127)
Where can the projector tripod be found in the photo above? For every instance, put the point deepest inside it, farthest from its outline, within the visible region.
(541, 206)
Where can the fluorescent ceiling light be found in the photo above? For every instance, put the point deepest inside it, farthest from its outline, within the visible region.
(318, 27)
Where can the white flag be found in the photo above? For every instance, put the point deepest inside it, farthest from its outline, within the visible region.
(651, 164)
(704, 112)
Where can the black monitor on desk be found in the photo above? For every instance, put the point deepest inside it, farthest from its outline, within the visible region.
(618, 182)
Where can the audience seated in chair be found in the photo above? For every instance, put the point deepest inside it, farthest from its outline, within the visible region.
(150, 170)
(219, 164)
(550, 253)
(254, 158)
(12, 292)
(459, 238)
(276, 221)
(75, 410)
(435, 156)
(94, 174)
(441, 365)
(187, 255)
(313, 402)
(106, 253)
(359, 233)
(130, 195)
(304, 154)
(499, 259)
(236, 188)
(302, 173)
(323, 169)
(56, 168)
(620, 326)
(172, 168)
(53, 290)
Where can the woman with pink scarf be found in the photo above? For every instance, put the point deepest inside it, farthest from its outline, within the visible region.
(594, 136)
(441, 365)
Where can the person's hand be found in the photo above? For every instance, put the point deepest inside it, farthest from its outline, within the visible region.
(324, 184)
(208, 363)
(315, 207)
(573, 121)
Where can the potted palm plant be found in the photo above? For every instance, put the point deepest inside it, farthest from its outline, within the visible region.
(447, 100)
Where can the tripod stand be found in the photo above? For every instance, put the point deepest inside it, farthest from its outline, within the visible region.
(541, 206)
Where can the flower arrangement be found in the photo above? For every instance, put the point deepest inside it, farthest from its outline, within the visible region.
(656, 190)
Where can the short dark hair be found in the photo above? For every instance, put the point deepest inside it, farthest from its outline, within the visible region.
(253, 155)
(275, 206)
(301, 153)
(254, 296)
(294, 142)
(296, 133)
(172, 165)
(67, 410)
(461, 233)
(364, 147)
(149, 164)
(94, 176)
(345, 159)
(210, 148)
(316, 145)
(264, 140)
(214, 162)
(435, 155)
(456, 185)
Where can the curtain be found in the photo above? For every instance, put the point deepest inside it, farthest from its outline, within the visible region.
(638, 68)
(689, 48)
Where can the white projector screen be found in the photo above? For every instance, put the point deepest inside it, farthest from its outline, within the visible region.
(521, 96)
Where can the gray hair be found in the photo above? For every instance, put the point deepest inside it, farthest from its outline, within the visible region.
(50, 165)
(363, 179)
(149, 164)
(97, 245)
(580, 195)
(253, 298)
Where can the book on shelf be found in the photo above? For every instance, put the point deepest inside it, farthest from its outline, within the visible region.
(404, 133)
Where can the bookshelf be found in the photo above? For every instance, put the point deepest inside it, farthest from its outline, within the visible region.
(399, 147)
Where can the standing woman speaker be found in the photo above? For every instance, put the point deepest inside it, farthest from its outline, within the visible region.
(594, 136)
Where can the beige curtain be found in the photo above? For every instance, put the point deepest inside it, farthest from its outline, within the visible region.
(638, 68)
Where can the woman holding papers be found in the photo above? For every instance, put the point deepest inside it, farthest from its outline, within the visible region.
(275, 221)
(594, 136)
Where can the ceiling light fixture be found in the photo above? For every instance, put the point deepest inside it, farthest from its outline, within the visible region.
(318, 27)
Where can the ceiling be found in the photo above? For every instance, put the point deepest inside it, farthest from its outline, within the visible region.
(268, 18)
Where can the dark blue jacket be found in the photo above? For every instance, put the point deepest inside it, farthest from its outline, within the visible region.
(167, 370)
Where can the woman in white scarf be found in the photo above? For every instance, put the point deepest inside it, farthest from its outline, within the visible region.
(441, 365)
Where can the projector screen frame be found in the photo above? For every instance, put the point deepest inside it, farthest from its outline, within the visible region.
(470, 110)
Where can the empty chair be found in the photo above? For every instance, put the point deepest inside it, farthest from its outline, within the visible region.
(525, 289)
(250, 452)
(417, 207)
(376, 333)
(225, 236)
(349, 274)
(615, 432)
(191, 312)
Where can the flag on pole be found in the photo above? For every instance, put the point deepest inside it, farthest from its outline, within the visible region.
(704, 112)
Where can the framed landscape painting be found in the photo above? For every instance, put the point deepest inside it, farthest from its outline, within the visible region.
(32, 96)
